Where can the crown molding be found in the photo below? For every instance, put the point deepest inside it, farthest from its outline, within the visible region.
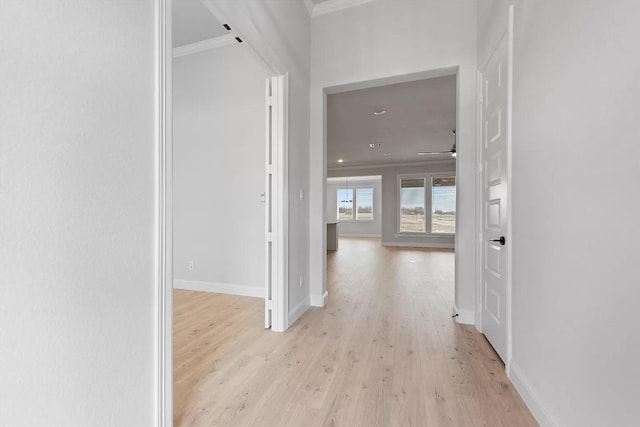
(203, 45)
(331, 6)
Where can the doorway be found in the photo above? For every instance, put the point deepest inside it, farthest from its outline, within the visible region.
(224, 217)
(402, 131)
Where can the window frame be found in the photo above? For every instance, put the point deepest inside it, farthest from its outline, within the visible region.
(354, 217)
(428, 203)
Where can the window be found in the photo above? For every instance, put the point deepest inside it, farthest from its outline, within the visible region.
(427, 204)
(443, 205)
(360, 198)
(412, 205)
(345, 204)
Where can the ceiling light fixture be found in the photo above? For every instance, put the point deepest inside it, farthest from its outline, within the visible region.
(379, 112)
(340, 160)
(375, 145)
(387, 154)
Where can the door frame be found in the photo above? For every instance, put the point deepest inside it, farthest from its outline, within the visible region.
(163, 253)
(508, 32)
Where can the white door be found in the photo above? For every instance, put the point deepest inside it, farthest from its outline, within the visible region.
(267, 197)
(276, 249)
(495, 262)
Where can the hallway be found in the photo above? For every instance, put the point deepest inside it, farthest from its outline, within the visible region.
(385, 352)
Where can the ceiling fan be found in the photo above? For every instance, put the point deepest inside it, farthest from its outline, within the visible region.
(433, 153)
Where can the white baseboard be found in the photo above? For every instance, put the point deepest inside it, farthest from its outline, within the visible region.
(358, 235)
(222, 288)
(465, 317)
(529, 396)
(420, 245)
(320, 300)
(297, 311)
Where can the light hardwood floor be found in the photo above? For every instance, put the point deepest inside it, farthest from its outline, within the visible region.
(385, 352)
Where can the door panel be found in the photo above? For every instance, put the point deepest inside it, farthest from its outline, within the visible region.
(268, 191)
(494, 154)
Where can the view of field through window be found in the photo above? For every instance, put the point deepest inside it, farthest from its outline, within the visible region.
(443, 205)
(412, 205)
(361, 198)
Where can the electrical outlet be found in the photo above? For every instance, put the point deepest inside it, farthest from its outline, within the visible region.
(190, 265)
(301, 280)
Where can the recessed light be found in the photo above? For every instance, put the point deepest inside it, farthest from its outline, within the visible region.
(387, 154)
(375, 145)
(340, 160)
(379, 112)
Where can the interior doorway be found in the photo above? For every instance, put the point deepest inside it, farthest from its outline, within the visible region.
(396, 139)
(225, 135)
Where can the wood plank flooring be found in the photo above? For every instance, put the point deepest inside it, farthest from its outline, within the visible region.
(385, 352)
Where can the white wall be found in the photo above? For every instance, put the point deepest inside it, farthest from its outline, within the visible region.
(576, 169)
(389, 193)
(218, 170)
(388, 38)
(77, 177)
(356, 228)
(280, 31)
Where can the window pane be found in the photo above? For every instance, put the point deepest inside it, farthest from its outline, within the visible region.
(345, 203)
(364, 199)
(412, 205)
(443, 205)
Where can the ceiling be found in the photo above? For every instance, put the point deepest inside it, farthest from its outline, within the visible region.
(192, 22)
(420, 116)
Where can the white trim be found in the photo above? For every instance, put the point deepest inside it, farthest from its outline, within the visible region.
(331, 6)
(297, 311)
(530, 397)
(359, 235)
(420, 245)
(204, 45)
(464, 317)
(320, 300)
(163, 383)
(221, 288)
(393, 165)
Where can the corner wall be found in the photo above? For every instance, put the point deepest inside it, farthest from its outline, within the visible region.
(383, 39)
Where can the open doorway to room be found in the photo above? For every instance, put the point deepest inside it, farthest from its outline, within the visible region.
(228, 217)
(396, 140)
